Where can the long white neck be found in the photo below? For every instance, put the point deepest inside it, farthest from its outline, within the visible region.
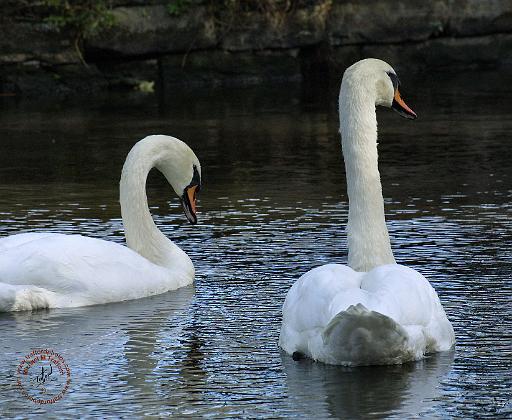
(141, 233)
(368, 238)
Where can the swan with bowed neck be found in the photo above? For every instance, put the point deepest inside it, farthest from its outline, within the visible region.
(372, 311)
(48, 270)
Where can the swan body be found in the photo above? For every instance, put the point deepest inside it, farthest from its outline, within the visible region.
(50, 270)
(372, 311)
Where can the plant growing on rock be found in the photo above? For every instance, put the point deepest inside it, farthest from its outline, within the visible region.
(177, 7)
(275, 11)
(80, 18)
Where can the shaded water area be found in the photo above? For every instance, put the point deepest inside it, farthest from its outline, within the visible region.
(273, 206)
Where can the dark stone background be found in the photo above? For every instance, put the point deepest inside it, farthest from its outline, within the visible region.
(208, 45)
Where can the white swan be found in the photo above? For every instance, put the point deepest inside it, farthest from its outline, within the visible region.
(47, 270)
(373, 311)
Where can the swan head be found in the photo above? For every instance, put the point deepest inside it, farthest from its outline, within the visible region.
(181, 167)
(185, 179)
(378, 79)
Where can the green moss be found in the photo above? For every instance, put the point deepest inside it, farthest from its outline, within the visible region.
(79, 18)
(177, 7)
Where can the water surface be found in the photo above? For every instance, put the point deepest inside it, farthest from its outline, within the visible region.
(273, 205)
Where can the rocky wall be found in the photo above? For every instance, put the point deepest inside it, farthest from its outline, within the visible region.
(212, 43)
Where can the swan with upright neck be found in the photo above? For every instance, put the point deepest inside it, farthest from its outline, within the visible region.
(372, 311)
(50, 270)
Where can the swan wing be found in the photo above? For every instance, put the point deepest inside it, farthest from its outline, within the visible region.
(306, 310)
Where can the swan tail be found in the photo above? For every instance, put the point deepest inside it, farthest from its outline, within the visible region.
(24, 298)
(358, 336)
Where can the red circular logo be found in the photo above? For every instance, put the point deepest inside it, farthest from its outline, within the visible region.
(43, 376)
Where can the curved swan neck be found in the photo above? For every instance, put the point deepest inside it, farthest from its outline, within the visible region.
(142, 235)
(368, 238)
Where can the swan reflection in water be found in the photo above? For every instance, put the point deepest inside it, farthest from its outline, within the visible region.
(127, 341)
(366, 391)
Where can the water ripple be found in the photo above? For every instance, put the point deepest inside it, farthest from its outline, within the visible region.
(273, 206)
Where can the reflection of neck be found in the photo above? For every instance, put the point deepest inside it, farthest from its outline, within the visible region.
(368, 239)
(141, 233)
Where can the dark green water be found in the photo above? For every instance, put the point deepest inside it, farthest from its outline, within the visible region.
(273, 205)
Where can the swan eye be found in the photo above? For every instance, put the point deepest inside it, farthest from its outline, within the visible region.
(196, 178)
(398, 103)
(394, 80)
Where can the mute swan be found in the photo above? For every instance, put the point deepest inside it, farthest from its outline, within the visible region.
(372, 311)
(47, 270)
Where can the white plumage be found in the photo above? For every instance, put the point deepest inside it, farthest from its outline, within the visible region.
(373, 311)
(47, 270)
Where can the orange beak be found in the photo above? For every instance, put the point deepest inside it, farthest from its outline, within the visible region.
(401, 107)
(188, 200)
(191, 192)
